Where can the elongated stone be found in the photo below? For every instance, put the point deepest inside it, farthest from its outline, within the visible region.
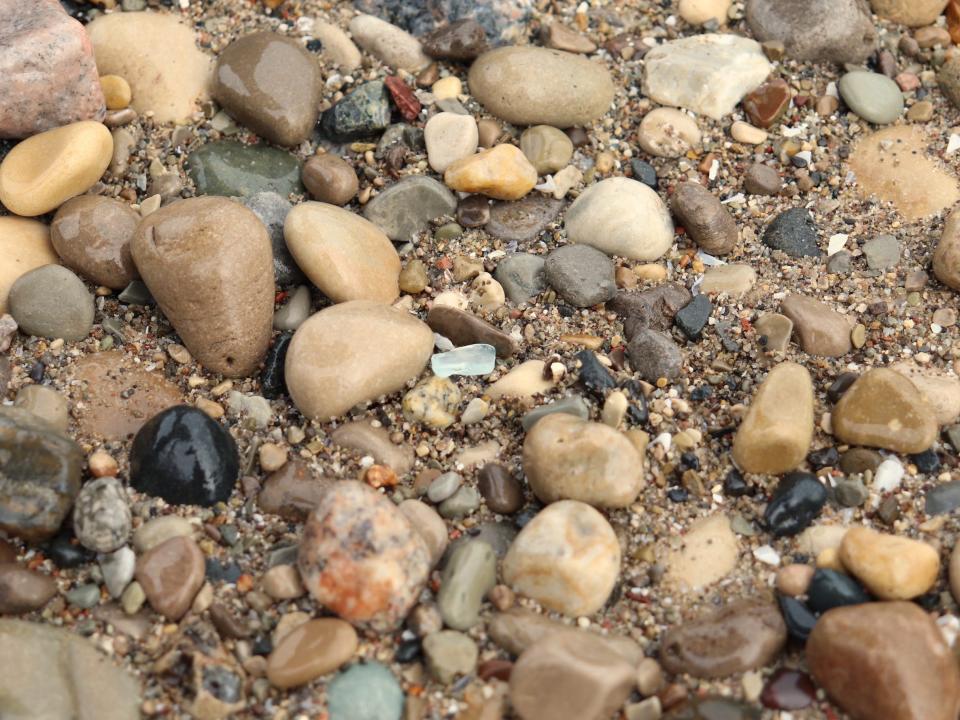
(469, 575)
(775, 436)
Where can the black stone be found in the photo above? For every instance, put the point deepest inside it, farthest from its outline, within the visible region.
(314, 45)
(594, 376)
(829, 589)
(36, 371)
(794, 233)
(644, 172)
(678, 494)
(839, 386)
(797, 617)
(693, 317)
(796, 502)
(362, 114)
(262, 644)
(734, 485)
(184, 457)
(408, 651)
(67, 553)
(943, 498)
(272, 379)
(927, 462)
(638, 410)
(824, 457)
(689, 461)
(217, 571)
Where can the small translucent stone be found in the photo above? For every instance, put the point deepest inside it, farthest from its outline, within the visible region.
(467, 360)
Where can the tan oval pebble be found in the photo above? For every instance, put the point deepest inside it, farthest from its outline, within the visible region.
(698, 12)
(160, 529)
(940, 389)
(567, 558)
(330, 179)
(337, 46)
(747, 134)
(315, 648)
(502, 172)
(775, 436)
(45, 170)
(946, 257)
(374, 441)
(773, 332)
(566, 458)
(23, 590)
(708, 223)
(171, 574)
(734, 280)
(708, 553)
(820, 329)
(282, 582)
(214, 254)
(793, 580)
(489, 132)
(292, 491)
(393, 46)
(547, 148)
(449, 137)
(528, 85)
(24, 246)
(351, 353)
(116, 91)
(343, 254)
(884, 409)
(157, 54)
(525, 380)
(92, 235)
(891, 567)
(912, 13)
(668, 133)
(46, 403)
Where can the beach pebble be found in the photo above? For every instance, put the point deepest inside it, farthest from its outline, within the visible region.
(52, 302)
(292, 491)
(449, 653)
(407, 207)
(271, 84)
(462, 39)
(708, 73)
(708, 223)
(884, 660)
(742, 635)
(940, 389)
(654, 355)
(363, 113)
(45, 89)
(525, 380)
(24, 246)
(567, 558)
(337, 46)
(668, 133)
(581, 275)
(698, 12)
(819, 329)
(569, 674)
(157, 530)
(874, 97)
(462, 328)
(45, 403)
(746, 133)
(795, 503)
(343, 254)
(734, 280)
(365, 691)
(101, 515)
(374, 441)
(765, 105)
(502, 172)
(523, 220)
(890, 566)
(315, 648)
(92, 234)
(527, 85)
(230, 276)
(449, 137)
(837, 31)
(157, 55)
(171, 575)
(42, 172)
(388, 43)
(566, 458)
(946, 257)
(522, 276)
(360, 557)
(761, 179)
(775, 436)
(232, 169)
(547, 148)
(22, 590)
(433, 402)
(557, 36)
(793, 232)
(429, 525)
(884, 409)
(912, 13)
(708, 554)
(621, 217)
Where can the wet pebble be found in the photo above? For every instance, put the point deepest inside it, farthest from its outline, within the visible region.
(315, 648)
(22, 590)
(500, 490)
(171, 575)
(797, 501)
(829, 589)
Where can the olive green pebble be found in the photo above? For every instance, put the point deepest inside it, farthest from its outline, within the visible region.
(448, 231)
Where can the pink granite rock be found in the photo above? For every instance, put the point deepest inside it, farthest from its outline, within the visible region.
(48, 77)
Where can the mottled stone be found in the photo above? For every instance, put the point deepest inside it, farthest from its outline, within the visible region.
(360, 558)
(232, 169)
(794, 233)
(502, 172)
(362, 113)
(101, 515)
(522, 221)
(820, 30)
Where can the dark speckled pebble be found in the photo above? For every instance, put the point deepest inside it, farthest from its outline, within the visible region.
(824, 457)
(829, 589)
(594, 376)
(272, 381)
(184, 457)
(644, 172)
(363, 113)
(693, 317)
(794, 233)
(798, 618)
(798, 499)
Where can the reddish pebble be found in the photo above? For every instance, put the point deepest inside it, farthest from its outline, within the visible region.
(788, 690)
(379, 476)
(403, 98)
(767, 103)
(907, 81)
(496, 668)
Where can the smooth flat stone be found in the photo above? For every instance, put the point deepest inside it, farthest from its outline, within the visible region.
(171, 574)
(92, 235)
(523, 220)
(229, 168)
(874, 97)
(24, 246)
(405, 208)
(891, 567)
(316, 648)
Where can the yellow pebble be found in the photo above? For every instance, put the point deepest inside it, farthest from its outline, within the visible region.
(116, 92)
(829, 559)
(446, 88)
(651, 271)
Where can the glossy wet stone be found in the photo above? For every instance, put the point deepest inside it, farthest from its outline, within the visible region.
(796, 502)
(272, 377)
(40, 470)
(829, 589)
(797, 617)
(66, 552)
(229, 168)
(313, 649)
(500, 490)
(271, 84)
(184, 457)
(462, 328)
(788, 690)
(23, 590)
(361, 114)
(523, 220)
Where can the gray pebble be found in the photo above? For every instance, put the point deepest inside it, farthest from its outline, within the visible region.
(882, 252)
(654, 355)
(84, 596)
(573, 405)
(581, 275)
(469, 575)
(272, 210)
(443, 487)
(522, 276)
(463, 502)
(52, 302)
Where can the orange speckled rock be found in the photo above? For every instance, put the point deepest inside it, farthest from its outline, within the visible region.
(361, 559)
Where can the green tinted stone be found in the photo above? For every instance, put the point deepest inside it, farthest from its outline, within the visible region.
(236, 170)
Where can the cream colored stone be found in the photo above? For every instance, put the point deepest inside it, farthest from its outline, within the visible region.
(450, 137)
(708, 552)
(668, 133)
(891, 567)
(337, 46)
(487, 293)
(393, 46)
(24, 246)
(817, 538)
(941, 390)
(566, 458)
(447, 88)
(47, 169)
(747, 134)
(567, 558)
(343, 254)
(502, 172)
(525, 380)
(776, 433)
(351, 353)
(697, 12)
(429, 526)
(734, 280)
(157, 55)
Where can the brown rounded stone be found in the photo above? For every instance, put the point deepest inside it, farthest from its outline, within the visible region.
(884, 409)
(171, 574)
(946, 258)
(767, 103)
(209, 265)
(885, 660)
(499, 489)
(271, 84)
(707, 221)
(92, 234)
(330, 179)
(741, 636)
(819, 329)
(313, 649)
(462, 328)
(23, 590)
(360, 558)
(292, 491)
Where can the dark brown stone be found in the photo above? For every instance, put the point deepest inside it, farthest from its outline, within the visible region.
(330, 179)
(23, 590)
(227, 624)
(292, 491)
(473, 211)
(460, 40)
(8, 553)
(500, 489)
(462, 328)
(708, 223)
(523, 220)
